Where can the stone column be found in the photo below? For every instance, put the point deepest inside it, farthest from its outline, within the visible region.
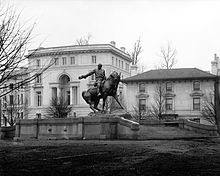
(71, 95)
(58, 93)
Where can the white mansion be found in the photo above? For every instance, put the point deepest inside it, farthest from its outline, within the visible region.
(61, 79)
(183, 91)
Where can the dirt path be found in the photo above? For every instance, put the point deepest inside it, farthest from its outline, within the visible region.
(63, 157)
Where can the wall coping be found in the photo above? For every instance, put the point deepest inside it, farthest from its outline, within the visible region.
(200, 126)
(87, 120)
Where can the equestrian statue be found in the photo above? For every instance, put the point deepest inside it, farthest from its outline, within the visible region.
(102, 88)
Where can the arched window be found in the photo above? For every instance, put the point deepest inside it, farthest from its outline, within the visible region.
(64, 84)
(64, 80)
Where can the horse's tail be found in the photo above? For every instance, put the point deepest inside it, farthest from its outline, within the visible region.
(86, 96)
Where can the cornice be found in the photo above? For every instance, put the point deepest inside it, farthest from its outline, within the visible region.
(170, 94)
(197, 94)
(57, 51)
(142, 95)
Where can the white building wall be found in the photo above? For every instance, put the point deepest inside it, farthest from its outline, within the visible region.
(182, 95)
(50, 78)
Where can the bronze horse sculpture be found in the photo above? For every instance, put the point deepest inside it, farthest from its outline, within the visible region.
(109, 88)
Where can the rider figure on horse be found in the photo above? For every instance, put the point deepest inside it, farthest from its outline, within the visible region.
(99, 77)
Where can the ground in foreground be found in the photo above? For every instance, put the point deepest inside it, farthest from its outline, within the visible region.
(68, 157)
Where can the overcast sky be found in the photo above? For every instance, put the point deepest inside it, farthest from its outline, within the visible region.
(191, 26)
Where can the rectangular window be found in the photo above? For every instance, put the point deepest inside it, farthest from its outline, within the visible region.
(168, 86)
(73, 60)
(56, 61)
(38, 79)
(22, 99)
(11, 86)
(11, 99)
(142, 87)
(74, 95)
(169, 104)
(93, 59)
(116, 62)
(113, 61)
(54, 93)
(18, 99)
(5, 102)
(196, 85)
(39, 98)
(119, 63)
(196, 103)
(64, 60)
(38, 62)
(22, 115)
(68, 97)
(38, 115)
(142, 105)
(122, 64)
(126, 66)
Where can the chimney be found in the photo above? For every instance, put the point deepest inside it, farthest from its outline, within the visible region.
(123, 49)
(113, 43)
(133, 70)
(215, 57)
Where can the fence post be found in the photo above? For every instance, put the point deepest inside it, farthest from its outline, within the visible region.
(83, 128)
(37, 129)
(19, 128)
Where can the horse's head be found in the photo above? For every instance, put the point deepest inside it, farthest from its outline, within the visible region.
(114, 76)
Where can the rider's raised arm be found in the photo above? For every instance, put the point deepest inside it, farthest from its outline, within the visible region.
(90, 73)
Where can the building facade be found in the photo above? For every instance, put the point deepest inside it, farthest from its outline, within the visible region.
(13, 103)
(183, 91)
(61, 79)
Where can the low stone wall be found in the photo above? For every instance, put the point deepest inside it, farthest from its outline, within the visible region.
(198, 127)
(152, 122)
(128, 129)
(106, 127)
(7, 132)
(186, 124)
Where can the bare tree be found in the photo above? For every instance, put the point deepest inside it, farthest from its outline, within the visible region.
(136, 51)
(141, 67)
(112, 105)
(14, 38)
(168, 55)
(13, 107)
(13, 111)
(58, 108)
(208, 110)
(158, 106)
(139, 113)
(84, 40)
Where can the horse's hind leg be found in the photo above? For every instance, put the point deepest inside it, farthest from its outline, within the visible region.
(92, 108)
(116, 98)
(87, 98)
(96, 106)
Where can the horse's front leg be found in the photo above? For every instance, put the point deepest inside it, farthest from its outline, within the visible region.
(103, 104)
(116, 98)
(96, 105)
